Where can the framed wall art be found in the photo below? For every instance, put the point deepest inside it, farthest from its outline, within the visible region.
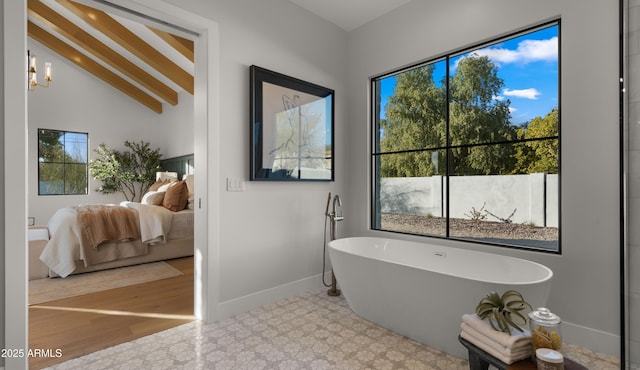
(291, 128)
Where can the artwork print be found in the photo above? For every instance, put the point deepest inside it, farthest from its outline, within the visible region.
(291, 129)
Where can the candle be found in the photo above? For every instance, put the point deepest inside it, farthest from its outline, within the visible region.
(47, 71)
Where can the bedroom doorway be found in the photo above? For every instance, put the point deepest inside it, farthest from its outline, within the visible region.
(205, 138)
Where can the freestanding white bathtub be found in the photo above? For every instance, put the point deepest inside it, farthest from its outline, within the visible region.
(422, 290)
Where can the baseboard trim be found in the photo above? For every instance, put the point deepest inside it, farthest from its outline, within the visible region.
(596, 340)
(254, 300)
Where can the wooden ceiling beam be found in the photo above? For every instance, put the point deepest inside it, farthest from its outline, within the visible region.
(93, 67)
(83, 39)
(182, 45)
(104, 23)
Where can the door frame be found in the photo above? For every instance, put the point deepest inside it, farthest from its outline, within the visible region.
(206, 150)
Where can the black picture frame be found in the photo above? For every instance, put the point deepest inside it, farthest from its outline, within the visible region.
(292, 128)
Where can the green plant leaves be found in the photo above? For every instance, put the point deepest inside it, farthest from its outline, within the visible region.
(130, 172)
(498, 309)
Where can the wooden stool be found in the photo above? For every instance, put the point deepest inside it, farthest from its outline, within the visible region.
(480, 360)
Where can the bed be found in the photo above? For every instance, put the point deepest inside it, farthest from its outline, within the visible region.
(85, 238)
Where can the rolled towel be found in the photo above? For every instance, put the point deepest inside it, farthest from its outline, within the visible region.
(509, 341)
(490, 350)
(522, 348)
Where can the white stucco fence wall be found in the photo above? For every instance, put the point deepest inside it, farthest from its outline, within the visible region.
(534, 197)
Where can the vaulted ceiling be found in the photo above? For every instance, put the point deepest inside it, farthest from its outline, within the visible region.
(150, 65)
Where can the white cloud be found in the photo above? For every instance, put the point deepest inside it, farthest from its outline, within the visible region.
(530, 93)
(512, 109)
(527, 51)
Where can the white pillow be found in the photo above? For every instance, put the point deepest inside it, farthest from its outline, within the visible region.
(189, 181)
(165, 186)
(153, 198)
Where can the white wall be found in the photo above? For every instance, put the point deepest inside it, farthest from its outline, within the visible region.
(585, 289)
(522, 199)
(634, 177)
(77, 101)
(2, 178)
(272, 233)
(15, 176)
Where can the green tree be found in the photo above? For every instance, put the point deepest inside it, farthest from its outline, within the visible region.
(476, 117)
(50, 146)
(51, 158)
(130, 172)
(62, 162)
(415, 119)
(538, 155)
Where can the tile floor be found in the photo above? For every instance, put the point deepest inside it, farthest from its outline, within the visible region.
(310, 331)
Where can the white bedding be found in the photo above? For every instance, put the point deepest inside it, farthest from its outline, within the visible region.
(181, 225)
(154, 221)
(156, 224)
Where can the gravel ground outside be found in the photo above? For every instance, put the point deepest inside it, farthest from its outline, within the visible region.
(499, 232)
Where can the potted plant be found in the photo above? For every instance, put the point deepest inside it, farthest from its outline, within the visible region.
(130, 172)
(503, 311)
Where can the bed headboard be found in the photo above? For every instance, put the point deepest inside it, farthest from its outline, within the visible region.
(183, 165)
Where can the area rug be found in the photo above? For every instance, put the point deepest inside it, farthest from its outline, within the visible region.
(46, 290)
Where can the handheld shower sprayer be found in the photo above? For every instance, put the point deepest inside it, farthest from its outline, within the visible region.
(326, 211)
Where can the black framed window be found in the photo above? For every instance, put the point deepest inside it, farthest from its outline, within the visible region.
(466, 146)
(62, 162)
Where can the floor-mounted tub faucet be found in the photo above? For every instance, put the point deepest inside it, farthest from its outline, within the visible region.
(334, 215)
(335, 218)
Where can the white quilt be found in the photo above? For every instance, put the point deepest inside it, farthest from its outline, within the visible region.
(155, 221)
(63, 249)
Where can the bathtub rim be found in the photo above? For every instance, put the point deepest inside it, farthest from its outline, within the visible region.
(545, 280)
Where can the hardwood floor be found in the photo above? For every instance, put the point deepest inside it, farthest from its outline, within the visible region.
(91, 322)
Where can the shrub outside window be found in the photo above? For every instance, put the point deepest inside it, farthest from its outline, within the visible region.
(466, 146)
(62, 162)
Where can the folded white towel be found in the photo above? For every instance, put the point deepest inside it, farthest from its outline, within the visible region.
(520, 349)
(509, 341)
(490, 350)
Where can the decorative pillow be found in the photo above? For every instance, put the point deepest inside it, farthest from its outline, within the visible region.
(165, 185)
(189, 180)
(191, 204)
(176, 197)
(156, 185)
(154, 198)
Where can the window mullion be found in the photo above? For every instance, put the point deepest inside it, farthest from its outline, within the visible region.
(448, 150)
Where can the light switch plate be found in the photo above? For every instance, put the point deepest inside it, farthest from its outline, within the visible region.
(234, 184)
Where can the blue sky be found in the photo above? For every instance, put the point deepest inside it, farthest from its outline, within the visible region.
(528, 66)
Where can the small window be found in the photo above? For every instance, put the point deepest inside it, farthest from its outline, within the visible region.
(466, 146)
(62, 162)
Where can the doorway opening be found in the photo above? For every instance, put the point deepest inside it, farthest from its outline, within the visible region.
(203, 284)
